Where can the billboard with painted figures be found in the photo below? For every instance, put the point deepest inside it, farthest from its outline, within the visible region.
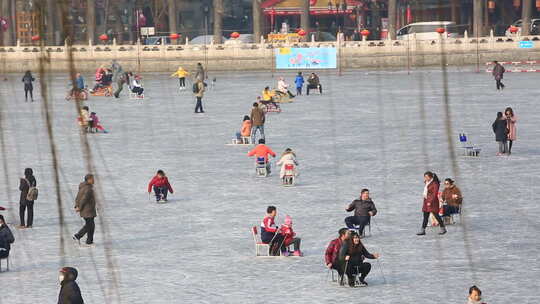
(305, 58)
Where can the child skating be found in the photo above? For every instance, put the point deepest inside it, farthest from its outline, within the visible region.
(160, 185)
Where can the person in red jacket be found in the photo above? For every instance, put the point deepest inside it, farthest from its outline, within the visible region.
(262, 151)
(290, 237)
(160, 184)
(431, 202)
(332, 251)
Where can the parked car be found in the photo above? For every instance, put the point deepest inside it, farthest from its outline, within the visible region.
(428, 30)
(156, 40)
(244, 38)
(205, 39)
(321, 36)
(535, 27)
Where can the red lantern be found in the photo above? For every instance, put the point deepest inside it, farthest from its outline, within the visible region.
(513, 29)
(302, 33)
(365, 33)
(35, 38)
(235, 35)
(491, 5)
(538, 5)
(103, 37)
(440, 30)
(517, 4)
(174, 36)
(352, 17)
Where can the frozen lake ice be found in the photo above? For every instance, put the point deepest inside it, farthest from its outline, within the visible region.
(376, 129)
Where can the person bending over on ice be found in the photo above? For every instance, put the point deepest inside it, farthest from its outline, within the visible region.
(287, 158)
(363, 209)
(331, 256)
(351, 259)
(136, 86)
(269, 231)
(431, 202)
(6, 238)
(84, 119)
(261, 150)
(69, 290)
(160, 184)
(290, 237)
(96, 126)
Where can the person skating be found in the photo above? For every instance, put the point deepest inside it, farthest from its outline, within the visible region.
(500, 129)
(25, 184)
(363, 208)
(262, 151)
(70, 293)
(299, 81)
(257, 121)
(511, 120)
(287, 158)
(85, 204)
(160, 184)
(313, 83)
(270, 232)
(498, 74)
(198, 90)
(28, 86)
(331, 256)
(351, 259)
(289, 237)
(181, 74)
(6, 238)
(431, 202)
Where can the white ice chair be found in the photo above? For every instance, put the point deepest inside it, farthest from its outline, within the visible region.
(260, 247)
(7, 263)
(289, 175)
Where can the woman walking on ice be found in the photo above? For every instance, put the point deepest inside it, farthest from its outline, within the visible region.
(431, 202)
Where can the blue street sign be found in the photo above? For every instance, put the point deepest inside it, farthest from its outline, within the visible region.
(526, 44)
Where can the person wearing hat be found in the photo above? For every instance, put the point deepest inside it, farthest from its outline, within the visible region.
(290, 237)
(70, 293)
(6, 238)
(85, 204)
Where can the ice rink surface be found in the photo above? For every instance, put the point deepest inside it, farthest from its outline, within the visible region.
(374, 129)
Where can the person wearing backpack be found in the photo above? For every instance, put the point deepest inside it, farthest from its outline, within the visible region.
(198, 90)
(29, 194)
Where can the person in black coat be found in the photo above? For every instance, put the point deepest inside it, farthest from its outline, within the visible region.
(69, 290)
(28, 87)
(351, 259)
(364, 209)
(6, 238)
(25, 183)
(500, 128)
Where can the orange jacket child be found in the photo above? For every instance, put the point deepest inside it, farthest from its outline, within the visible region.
(261, 150)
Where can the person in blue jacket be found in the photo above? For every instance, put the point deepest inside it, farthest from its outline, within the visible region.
(299, 81)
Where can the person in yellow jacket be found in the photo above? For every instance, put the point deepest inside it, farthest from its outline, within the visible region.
(181, 74)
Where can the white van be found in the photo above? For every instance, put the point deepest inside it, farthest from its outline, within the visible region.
(427, 30)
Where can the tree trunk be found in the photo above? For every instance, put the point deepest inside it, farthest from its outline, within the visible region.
(392, 10)
(304, 18)
(256, 7)
(526, 17)
(173, 27)
(455, 11)
(50, 29)
(218, 21)
(376, 13)
(478, 17)
(91, 20)
(60, 21)
(5, 11)
(118, 25)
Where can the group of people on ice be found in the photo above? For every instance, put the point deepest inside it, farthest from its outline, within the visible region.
(505, 129)
(90, 121)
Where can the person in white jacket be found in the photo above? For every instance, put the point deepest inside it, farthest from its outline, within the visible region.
(287, 158)
(283, 87)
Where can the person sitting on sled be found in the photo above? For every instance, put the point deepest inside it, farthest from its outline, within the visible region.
(160, 184)
(96, 127)
(136, 86)
(287, 158)
(262, 151)
(283, 88)
(245, 132)
(270, 232)
(100, 73)
(290, 237)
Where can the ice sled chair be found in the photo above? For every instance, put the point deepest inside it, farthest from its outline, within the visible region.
(467, 147)
(7, 263)
(366, 227)
(288, 176)
(260, 167)
(261, 249)
(241, 140)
